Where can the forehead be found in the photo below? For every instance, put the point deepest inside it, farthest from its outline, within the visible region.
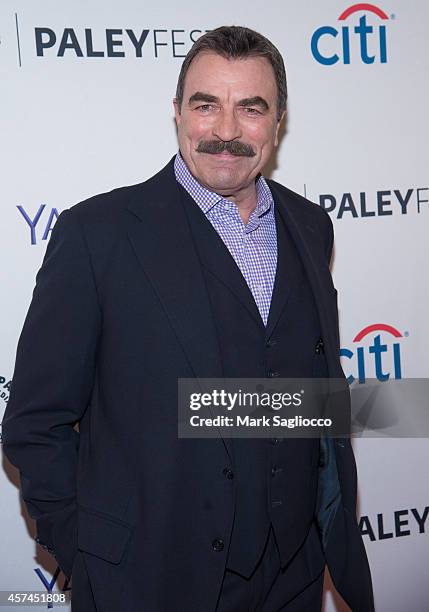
(217, 75)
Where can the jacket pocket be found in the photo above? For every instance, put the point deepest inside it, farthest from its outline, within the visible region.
(102, 535)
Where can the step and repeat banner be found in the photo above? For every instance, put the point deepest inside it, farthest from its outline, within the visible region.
(86, 106)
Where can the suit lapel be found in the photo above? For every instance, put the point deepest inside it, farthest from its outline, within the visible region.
(306, 238)
(287, 274)
(162, 241)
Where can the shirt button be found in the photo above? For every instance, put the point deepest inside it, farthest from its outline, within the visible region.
(227, 206)
(218, 545)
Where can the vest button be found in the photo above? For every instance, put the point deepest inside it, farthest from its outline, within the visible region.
(228, 473)
(272, 374)
(320, 347)
(276, 440)
(218, 545)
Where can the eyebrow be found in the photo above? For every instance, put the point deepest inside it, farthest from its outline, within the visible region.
(254, 101)
(200, 96)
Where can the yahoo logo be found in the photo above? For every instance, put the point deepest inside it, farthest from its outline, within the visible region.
(33, 221)
(49, 584)
(367, 36)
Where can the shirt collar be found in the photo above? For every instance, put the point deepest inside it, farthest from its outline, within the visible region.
(207, 199)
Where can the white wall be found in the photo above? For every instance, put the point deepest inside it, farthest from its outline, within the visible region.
(74, 126)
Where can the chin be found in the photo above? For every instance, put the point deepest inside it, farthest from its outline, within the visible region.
(218, 185)
(224, 174)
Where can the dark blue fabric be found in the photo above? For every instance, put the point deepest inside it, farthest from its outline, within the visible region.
(120, 311)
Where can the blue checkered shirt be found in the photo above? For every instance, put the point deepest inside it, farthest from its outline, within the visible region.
(253, 245)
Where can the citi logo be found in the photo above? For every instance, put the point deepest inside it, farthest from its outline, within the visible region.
(330, 45)
(376, 354)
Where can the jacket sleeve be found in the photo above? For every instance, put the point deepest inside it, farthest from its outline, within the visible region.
(51, 386)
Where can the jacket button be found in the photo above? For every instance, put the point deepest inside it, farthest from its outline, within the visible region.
(218, 545)
(228, 473)
(270, 343)
(272, 374)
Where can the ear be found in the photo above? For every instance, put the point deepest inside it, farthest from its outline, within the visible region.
(276, 140)
(177, 114)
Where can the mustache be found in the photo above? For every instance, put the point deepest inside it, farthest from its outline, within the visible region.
(234, 147)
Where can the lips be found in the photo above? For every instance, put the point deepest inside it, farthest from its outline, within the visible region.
(226, 155)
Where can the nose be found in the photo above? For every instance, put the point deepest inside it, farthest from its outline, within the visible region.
(227, 126)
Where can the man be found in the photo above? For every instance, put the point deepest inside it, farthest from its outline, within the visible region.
(205, 270)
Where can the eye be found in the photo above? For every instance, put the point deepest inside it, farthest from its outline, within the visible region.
(205, 108)
(249, 110)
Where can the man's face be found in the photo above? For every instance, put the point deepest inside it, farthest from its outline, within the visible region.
(227, 126)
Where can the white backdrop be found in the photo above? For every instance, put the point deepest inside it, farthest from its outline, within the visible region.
(86, 106)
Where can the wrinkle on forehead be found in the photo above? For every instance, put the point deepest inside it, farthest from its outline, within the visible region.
(231, 79)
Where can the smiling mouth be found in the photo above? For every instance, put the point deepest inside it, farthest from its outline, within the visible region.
(226, 154)
(224, 158)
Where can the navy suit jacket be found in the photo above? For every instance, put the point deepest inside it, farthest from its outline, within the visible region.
(119, 312)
